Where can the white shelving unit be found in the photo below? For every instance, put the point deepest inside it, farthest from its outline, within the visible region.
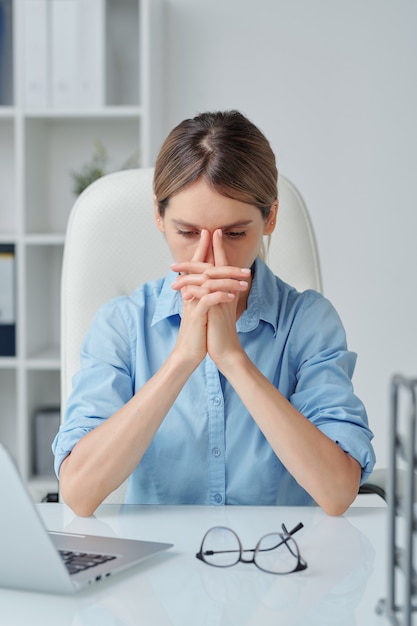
(39, 148)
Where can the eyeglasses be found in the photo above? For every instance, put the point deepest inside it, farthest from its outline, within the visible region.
(275, 553)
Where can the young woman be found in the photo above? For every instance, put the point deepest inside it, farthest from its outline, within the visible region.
(220, 383)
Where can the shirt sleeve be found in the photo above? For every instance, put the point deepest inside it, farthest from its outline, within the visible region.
(105, 381)
(324, 392)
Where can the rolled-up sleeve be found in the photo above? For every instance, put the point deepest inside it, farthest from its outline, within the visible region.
(105, 380)
(324, 392)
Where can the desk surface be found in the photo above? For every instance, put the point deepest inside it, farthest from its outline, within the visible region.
(345, 577)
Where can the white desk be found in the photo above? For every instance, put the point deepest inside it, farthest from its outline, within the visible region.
(343, 582)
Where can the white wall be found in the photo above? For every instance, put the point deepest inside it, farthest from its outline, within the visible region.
(333, 84)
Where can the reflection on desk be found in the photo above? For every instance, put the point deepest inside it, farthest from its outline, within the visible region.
(344, 580)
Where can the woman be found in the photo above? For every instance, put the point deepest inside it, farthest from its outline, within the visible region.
(219, 384)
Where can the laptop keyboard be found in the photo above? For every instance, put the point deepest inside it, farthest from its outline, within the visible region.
(79, 561)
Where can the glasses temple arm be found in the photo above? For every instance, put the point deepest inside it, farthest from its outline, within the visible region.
(299, 526)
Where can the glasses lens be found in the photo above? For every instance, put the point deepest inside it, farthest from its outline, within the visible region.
(221, 547)
(277, 553)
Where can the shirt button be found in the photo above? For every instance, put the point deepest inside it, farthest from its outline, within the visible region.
(216, 452)
(218, 498)
(217, 401)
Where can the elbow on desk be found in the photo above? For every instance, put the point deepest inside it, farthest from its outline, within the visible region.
(336, 509)
(336, 499)
(337, 504)
(72, 492)
(82, 508)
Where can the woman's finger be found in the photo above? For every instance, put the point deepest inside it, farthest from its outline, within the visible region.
(211, 271)
(209, 285)
(218, 249)
(200, 253)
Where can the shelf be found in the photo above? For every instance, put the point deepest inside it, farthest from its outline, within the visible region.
(48, 358)
(114, 112)
(8, 362)
(8, 237)
(45, 239)
(44, 141)
(7, 113)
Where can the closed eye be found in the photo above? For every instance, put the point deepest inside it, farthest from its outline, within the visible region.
(187, 233)
(236, 235)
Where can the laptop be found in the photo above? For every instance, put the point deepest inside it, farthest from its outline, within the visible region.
(33, 558)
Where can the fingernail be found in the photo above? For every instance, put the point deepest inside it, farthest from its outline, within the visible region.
(245, 270)
(243, 283)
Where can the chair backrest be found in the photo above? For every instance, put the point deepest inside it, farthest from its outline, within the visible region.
(112, 245)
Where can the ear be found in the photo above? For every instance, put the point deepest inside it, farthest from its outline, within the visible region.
(159, 221)
(271, 220)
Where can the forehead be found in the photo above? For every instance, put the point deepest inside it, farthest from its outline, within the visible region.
(202, 206)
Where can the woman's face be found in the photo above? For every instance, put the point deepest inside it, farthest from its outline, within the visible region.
(199, 207)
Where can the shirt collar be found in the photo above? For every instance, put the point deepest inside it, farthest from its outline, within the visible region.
(262, 302)
(169, 301)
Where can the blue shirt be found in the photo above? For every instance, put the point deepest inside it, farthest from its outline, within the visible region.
(208, 449)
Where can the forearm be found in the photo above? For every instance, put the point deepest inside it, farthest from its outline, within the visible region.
(103, 459)
(318, 464)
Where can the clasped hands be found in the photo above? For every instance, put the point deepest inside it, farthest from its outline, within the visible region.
(210, 290)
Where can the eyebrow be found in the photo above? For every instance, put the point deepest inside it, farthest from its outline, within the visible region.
(240, 224)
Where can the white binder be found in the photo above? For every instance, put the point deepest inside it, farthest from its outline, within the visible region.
(63, 53)
(35, 31)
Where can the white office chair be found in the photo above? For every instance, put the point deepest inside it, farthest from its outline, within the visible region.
(112, 245)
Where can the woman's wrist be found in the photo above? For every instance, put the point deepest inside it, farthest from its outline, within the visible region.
(184, 360)
(232, 362)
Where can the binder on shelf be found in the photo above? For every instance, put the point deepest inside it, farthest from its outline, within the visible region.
(7, 301)
(35, 52)
(91, 54)
(77, 53)
(64, 45)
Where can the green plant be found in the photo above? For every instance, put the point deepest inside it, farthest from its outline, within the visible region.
(97, 168)
(90, 171)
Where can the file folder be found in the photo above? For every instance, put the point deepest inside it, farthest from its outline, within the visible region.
(35, 53)
(7, 300)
